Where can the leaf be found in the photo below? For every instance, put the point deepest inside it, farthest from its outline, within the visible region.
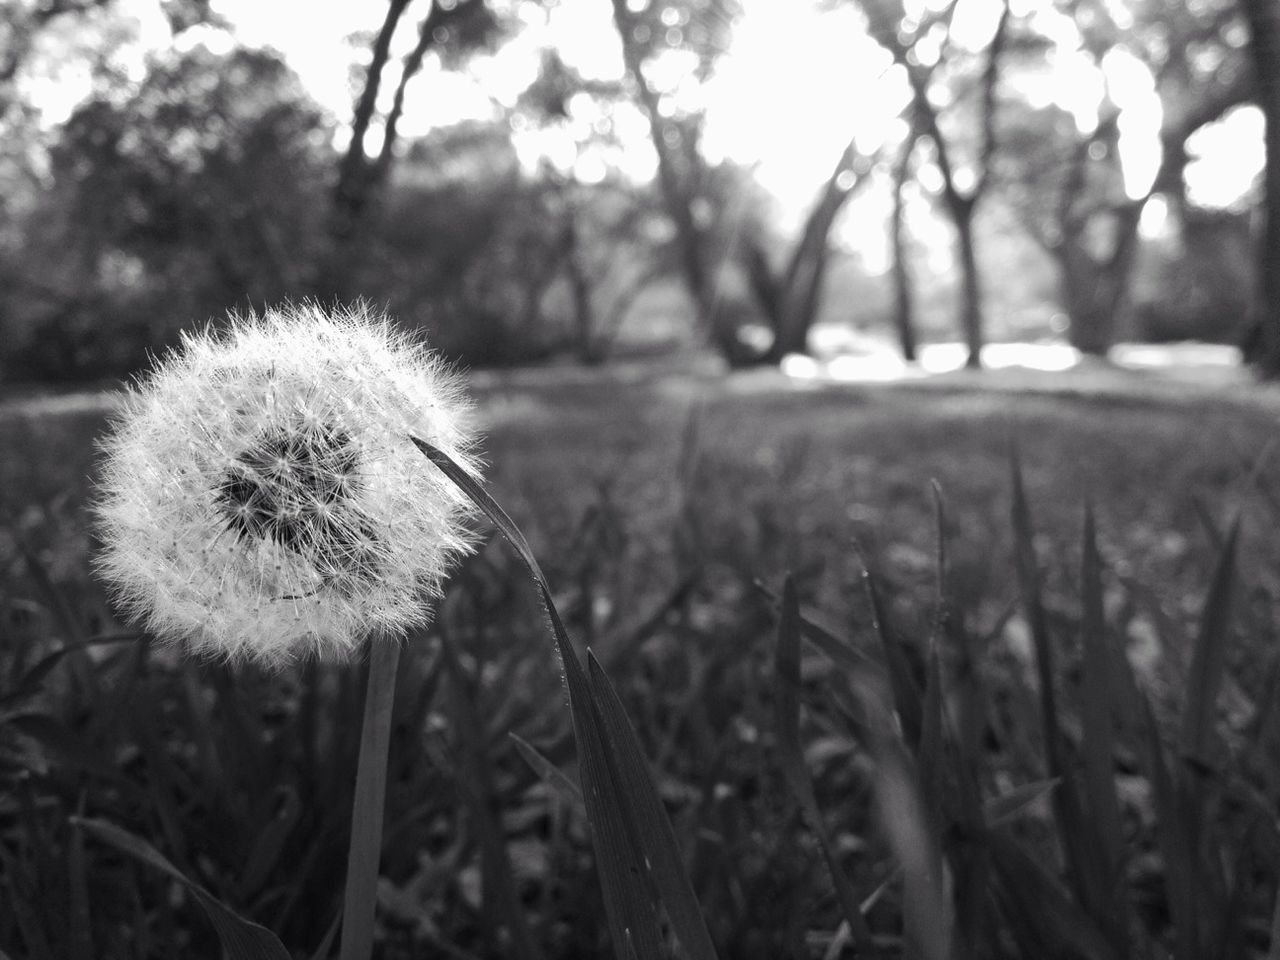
(645, 810)
(326, 944)
(241, 939)
(31, 682)
(825, 639)
(359, 901)
(1208, 660)
(1177, 846)
(1097, 692)
(787, 713)
(1084, 867)
(1010, 805)
(1042, 918)
(906, 689)
(63, 745)
(624, 878)
(549, 772)
(80, 933)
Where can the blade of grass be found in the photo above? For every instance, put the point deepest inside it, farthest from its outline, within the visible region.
(1042, 918)
(1208, 660)
(64, 746)
(475, 782)
(80, 934)
(656, 835)
(1086, 872)
(365, 850)
(624, 879)
(1177, 845)
(241, 939)
(822, 636)
(902, 681)
(1098, 693)
(1012, 804)
(548, 771)
(1273, 952)
(796, 772)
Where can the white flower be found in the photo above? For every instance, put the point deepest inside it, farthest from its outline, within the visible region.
(260, 495)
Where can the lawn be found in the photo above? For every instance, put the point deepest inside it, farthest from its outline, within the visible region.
(664, 510)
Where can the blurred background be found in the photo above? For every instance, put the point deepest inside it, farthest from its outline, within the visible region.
(742, 181)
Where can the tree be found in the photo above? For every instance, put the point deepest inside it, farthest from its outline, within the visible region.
(790, 299)
(698, 28)
(1067, 184)
(197, 192)
(905, 40)
(451, 31)
(1263, 17)
(903, 310)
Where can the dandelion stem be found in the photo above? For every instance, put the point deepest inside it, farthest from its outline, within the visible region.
(366, 812)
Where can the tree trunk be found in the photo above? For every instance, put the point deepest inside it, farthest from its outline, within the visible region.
(800, 292)
(674, 189)
(1264, 27)
(903, 312)
(970, 286)
(1094, 288)
(351, 190)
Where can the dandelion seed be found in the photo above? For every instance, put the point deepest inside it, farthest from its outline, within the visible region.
(260, 495)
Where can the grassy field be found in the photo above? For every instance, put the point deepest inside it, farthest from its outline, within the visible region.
(658, 506)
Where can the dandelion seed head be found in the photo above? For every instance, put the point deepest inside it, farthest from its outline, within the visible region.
(260, 497)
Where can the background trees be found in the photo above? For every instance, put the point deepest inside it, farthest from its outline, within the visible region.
(595, 209)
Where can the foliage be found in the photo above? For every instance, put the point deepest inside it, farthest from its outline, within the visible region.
(652, 536)
(198, 191)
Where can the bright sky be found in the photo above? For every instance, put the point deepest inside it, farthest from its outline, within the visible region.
(780, 99)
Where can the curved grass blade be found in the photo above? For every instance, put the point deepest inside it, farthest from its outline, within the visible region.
(241, 939)
(794, 769)
(1084, 867)
(1010, 805)
(548, 771)
(823, 637)
(1098, 694)
(907, 692)
(1208, 660)
(644, 806)
(624, 877)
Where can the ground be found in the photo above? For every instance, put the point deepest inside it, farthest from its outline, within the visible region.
(634, 482)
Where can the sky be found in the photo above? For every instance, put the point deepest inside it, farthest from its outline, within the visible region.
(786, 64)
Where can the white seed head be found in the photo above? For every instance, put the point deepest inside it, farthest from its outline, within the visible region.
(260, 496)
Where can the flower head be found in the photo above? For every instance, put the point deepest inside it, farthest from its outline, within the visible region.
(260, 494)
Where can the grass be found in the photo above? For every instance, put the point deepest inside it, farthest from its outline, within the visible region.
(655, 509)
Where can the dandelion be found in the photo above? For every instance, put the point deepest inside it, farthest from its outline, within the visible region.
(261, 497)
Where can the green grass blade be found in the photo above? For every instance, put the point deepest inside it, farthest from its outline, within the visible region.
(1177, 846)
(657, 838)
(624, 880)
(794, 769)
(80, 929)
(907, 695)
(241, 939)
(1042, 918)
(64, 746)
(1273, 952)
(1010, 805)
(475, 782)
(1208, 660)
(824, 638)
(1084, 867)
(365, 851)
(549, 772)
(1098, 694)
